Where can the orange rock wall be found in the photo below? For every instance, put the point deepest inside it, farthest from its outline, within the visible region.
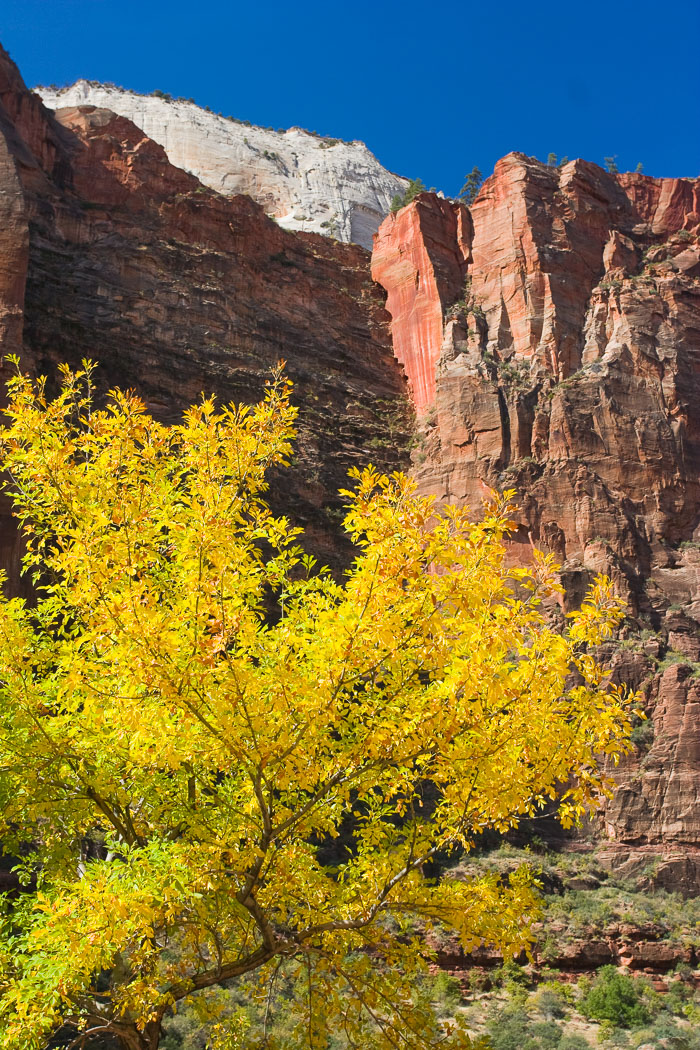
(572, 371)
(420, 257)
(572, 375)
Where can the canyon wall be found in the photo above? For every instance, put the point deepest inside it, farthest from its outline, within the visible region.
(552, 343)
(109, 251)
(550, 335)
(306, 181)
(551, 338)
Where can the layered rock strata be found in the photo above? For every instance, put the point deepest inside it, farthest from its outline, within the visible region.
(109, 251)
(568, 362)
(306, 181)
(645, 949)
(566, 366)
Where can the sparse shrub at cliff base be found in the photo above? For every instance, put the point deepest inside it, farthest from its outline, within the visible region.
(222, 766)
(573, 1042)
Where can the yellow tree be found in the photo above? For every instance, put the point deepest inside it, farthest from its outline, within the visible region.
(221, 765)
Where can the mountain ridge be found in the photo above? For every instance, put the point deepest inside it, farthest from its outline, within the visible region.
(306, 182)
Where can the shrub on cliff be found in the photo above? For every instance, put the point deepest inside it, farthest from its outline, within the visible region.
(223, 767)
(400, 200)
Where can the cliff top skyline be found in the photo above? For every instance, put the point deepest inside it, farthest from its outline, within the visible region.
(432, 93)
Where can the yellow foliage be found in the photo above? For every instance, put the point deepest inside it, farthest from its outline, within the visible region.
(221, 758)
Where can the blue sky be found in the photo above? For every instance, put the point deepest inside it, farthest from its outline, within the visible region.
(433, 89)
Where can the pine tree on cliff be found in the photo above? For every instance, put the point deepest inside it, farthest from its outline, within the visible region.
(471, 186)
(400, 200)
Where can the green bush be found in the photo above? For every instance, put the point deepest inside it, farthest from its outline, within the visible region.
(573, 1042)
(446, 992)
(509, 1028)
(547, 1034)
(679, 993)
(550, 1004)
(617, 998)
(642, 735)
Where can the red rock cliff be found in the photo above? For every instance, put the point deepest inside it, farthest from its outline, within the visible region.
(109, 251)
(420, 257)
(572, 369)
(572, 374)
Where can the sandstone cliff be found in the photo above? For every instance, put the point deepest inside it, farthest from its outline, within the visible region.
(552, 340)
(551, 337)
(107, 250)
(306, 181)
(420, 257)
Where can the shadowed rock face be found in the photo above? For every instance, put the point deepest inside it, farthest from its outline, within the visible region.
(567, 312)
(657, 800)
(14, 246)
(109, 251)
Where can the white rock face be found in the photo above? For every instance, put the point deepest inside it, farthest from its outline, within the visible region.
(307, 183)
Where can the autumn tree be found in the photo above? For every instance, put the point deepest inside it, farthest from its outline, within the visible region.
(219, 764)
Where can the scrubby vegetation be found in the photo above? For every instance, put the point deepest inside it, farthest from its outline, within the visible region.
(400, 200)
(610, 1010)
(535, 1006)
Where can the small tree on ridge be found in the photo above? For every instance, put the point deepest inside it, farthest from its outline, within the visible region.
(471, 186)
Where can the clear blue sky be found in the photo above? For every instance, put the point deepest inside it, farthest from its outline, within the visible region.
(431, 88)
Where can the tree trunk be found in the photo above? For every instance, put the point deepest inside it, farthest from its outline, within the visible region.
(131, 1039)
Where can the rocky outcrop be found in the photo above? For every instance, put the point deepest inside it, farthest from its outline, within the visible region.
(637, 948)
(666, 205)
(420, 257)
(110, 252)
(570, 372)
(658, 785)
(306, 181)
